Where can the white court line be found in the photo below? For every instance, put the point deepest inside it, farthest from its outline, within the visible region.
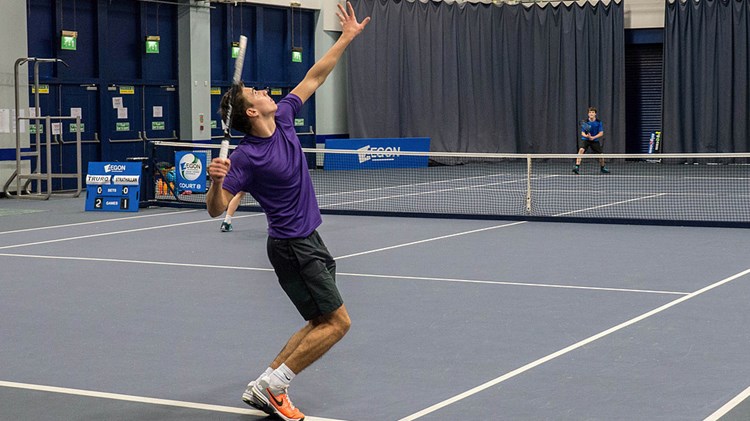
(339, 258)
(611, 175)
(729, 406)
(357, 275)
(525, 284)
(395, 196)
(568, 349)
(717, 178)
(424, 183)
(245, 216)
(427, 240)
(139, 262)
(97, 222)
(104, 234)
(611, 204)
(143, 399)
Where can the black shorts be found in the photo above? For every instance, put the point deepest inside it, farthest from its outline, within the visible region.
(307, 273)
(585, 144)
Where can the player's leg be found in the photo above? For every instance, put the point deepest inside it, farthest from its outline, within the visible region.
(311, 285)
(226, 225)
(603, 166)
(292, 344)
(259, 399)
(326, 331)
(312, 342)
(597, 148)
(310, 282)
(306, 272)
(581, 151)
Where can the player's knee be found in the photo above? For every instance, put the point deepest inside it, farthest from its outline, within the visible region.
(338, 322)
(341, 322)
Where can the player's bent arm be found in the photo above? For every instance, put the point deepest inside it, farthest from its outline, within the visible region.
(217, 200)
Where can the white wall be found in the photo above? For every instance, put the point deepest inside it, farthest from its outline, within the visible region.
(641, 14)
(330, 99)
(13, 46)
(194, 75)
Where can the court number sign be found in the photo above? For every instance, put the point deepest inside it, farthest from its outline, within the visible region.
(113, 186)
(190, 173)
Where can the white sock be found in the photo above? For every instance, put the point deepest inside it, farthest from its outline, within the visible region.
(228, 219)
(280, 378)
(268, 372)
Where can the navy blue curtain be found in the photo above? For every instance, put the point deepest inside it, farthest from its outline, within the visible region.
(487, 78)
(706, 72)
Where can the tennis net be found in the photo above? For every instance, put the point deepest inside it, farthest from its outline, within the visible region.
(692, 189)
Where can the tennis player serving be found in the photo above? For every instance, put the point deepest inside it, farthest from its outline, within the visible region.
(269, 164)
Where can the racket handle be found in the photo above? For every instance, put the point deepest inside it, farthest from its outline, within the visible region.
(240, 60)
(224, 151)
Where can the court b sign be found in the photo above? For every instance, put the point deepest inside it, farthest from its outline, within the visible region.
(377, 153)
(190, 172)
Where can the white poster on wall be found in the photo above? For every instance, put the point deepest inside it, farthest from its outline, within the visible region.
(22, 122)
(4, 120)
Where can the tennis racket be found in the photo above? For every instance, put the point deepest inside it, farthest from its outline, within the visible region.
(585, 126)
(224, 151)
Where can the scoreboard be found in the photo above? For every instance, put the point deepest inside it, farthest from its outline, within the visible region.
(113, 186)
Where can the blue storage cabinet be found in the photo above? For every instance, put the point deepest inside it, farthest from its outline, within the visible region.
(85, 98)
(161, 113)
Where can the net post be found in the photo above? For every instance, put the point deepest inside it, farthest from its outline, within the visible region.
(48, 169)
(528, 183)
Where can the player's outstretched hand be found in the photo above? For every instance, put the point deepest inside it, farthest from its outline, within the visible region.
(348, 19)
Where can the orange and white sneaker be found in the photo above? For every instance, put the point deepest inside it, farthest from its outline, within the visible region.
(258, 403)
(280, 402)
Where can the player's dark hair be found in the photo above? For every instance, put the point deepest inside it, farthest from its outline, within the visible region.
(240, 120)
(593, 109)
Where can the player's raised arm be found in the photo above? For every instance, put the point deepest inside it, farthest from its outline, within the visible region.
(318, 73)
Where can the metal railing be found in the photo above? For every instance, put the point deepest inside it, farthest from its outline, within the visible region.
(42, 171)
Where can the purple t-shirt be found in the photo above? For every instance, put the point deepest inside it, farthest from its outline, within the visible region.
(274, 171)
